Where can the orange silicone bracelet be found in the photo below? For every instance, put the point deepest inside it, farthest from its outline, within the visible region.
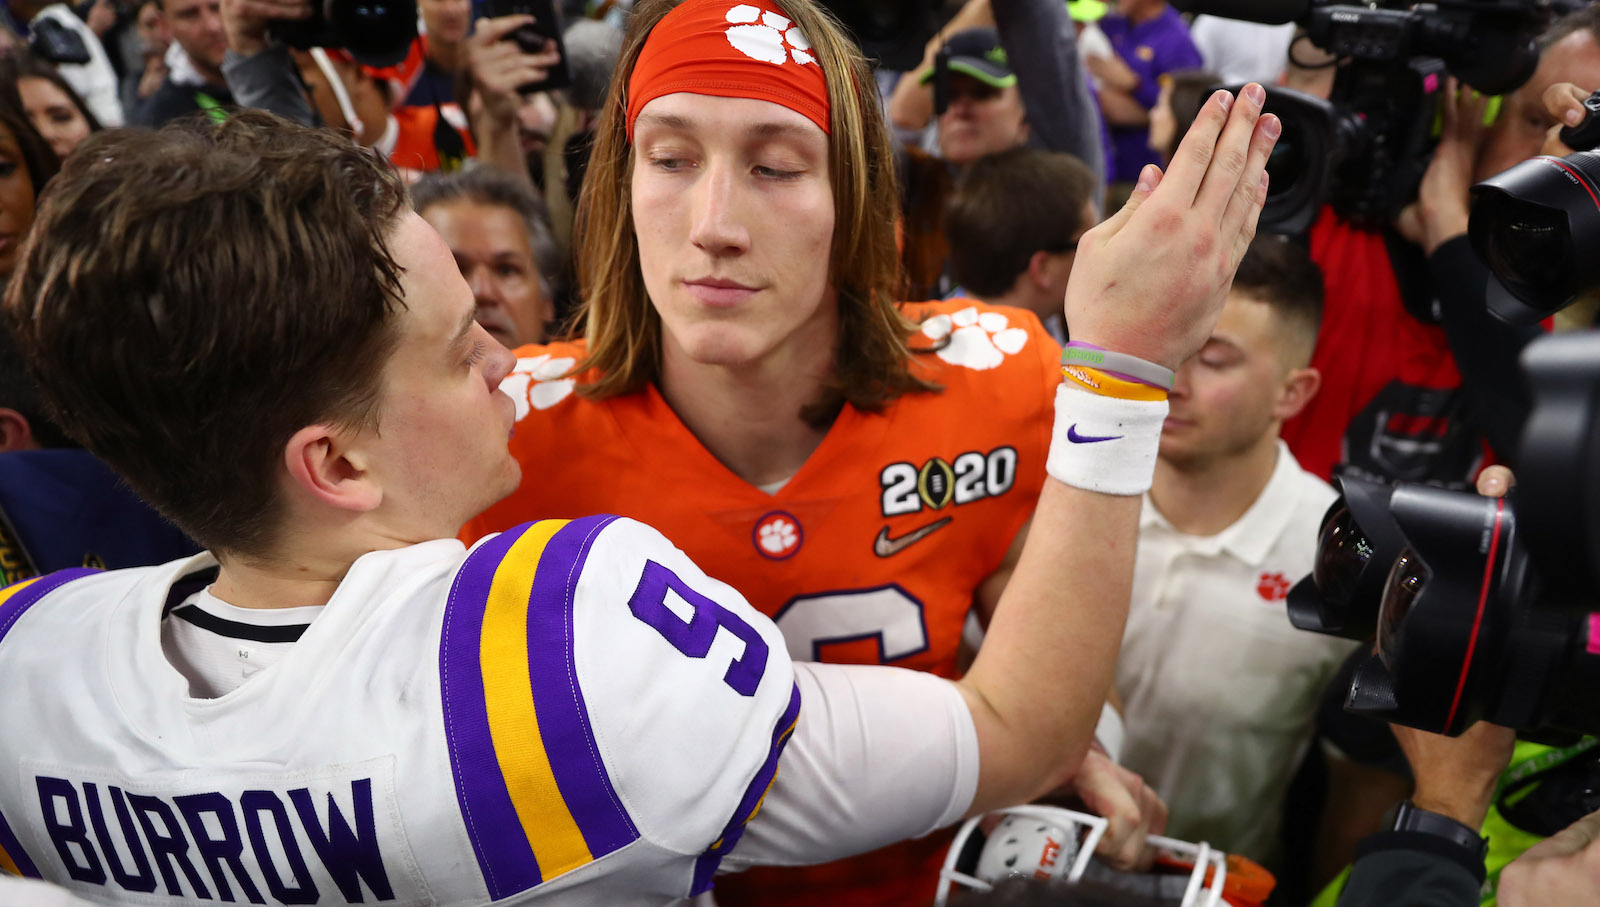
(1099, 382)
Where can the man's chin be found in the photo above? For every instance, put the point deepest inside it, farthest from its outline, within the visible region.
(506, 486)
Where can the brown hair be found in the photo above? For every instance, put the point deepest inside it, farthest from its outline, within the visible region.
(1585, 18)
(190, 298)
(1009, 205)
(498, 189)
(872, 363)
(41, 162)
(1278, 271)
(22, 64)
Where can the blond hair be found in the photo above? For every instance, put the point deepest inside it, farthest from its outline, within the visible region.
(872, 361)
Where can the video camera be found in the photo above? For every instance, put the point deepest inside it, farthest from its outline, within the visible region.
(1490, 608)
(1365, 148)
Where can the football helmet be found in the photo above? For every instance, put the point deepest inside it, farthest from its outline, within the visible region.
(1055, 844)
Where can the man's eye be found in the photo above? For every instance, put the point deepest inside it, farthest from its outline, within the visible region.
(777, 173)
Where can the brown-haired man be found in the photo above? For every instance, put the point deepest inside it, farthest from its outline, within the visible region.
(1220, 691)
(1014, 224)
(291, 370)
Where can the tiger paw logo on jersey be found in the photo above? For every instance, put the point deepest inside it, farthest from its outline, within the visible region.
(778, 535)
(1273, 587)
(979, 342)
(536, 383)
(767, 37)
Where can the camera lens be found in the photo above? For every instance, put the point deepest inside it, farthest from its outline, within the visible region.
(1287, 162)
(1533, 246)
(1523, 226)
(1407, 578)
(1343, 551)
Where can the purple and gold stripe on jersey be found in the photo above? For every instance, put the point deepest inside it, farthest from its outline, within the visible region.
(13, 858)
(16, 599)
(19, 597)
(706, 866)
(534, 793)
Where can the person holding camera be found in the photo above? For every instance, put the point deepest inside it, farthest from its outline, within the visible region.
(1433, 379)
(1469, 152)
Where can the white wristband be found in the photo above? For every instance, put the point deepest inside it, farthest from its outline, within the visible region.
(1110, 732)
(1105, 444)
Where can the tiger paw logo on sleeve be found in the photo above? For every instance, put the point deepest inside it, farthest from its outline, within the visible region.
(977, 341)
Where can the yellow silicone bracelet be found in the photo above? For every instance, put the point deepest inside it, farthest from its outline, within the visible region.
(1099, 382)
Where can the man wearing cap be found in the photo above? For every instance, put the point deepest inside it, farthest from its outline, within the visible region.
(1021, 56)
(1150, 39)
(1015, 79)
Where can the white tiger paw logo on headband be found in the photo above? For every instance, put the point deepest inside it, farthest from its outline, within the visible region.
(977, 340)
(767, 37)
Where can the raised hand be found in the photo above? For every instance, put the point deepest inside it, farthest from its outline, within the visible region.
(499, 66)
(1150, 281)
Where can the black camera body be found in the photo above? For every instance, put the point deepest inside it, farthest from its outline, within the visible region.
(1482, 609)
(375, 32)
(1365, 148)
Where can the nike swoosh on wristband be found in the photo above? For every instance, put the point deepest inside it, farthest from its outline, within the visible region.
(1074, 437)
(883, 546)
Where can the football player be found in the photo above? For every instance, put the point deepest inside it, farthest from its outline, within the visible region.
(339, 702)
(863, 472)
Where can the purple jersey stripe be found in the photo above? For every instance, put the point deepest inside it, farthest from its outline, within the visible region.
(563, 718)
(706, 866)
(13, 849)
(503, 852)
(18, 598)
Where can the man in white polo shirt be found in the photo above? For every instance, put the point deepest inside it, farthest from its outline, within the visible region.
(1219, 689)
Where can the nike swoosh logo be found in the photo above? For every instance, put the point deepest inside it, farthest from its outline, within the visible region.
(883, 546)
(1074, 437)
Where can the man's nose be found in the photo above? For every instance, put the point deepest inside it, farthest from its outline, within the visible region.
(718, 226)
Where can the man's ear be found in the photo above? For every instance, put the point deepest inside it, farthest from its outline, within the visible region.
(1299, 386)
(323, 464)
(1041, 269)
(15, 432)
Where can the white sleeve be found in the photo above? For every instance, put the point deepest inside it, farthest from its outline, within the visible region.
(879, 755)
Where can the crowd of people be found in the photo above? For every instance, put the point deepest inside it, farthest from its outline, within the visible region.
(716, 476)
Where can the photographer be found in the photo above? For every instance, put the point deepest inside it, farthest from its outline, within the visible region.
(1468, 152)
(1395, 405)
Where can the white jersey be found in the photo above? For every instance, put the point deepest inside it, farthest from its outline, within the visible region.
(571, 708)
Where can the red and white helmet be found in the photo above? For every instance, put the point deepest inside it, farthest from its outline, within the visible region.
(1054, 844)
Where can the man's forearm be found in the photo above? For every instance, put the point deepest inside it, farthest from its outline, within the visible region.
(911, 102)
(499, 146)
(1122, 109)
(1043, 673)
(1042, 47)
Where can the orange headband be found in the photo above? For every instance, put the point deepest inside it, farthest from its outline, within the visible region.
(729, 49)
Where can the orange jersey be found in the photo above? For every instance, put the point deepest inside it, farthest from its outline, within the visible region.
(870, 554)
